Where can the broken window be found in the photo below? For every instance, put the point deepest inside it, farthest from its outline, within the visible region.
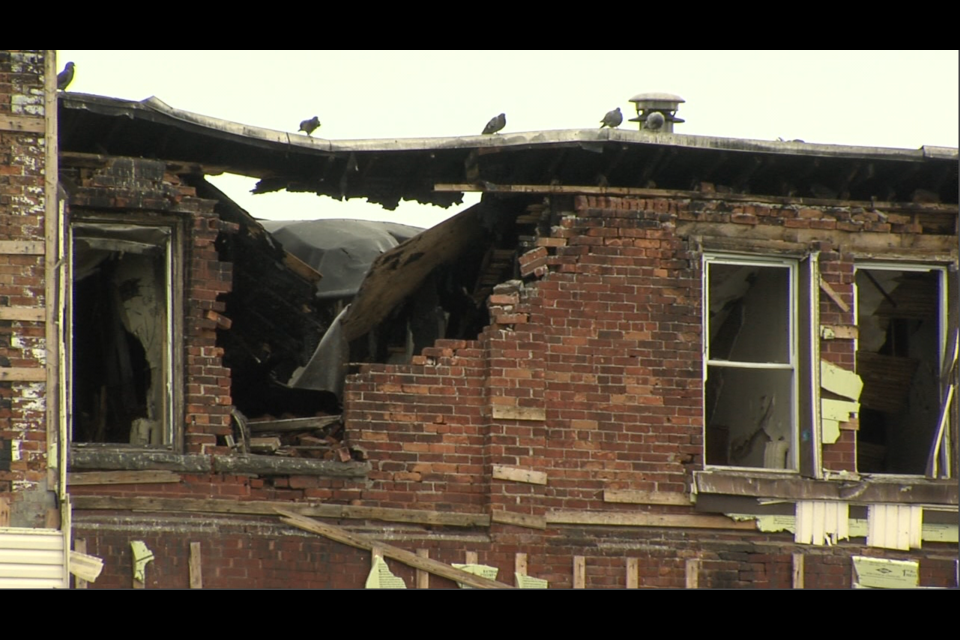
(122, 339)
(901, 336)
(750, 361)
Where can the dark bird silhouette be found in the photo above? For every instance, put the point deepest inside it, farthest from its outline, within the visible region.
(309, 126)
(65, 77)
(612, 119)
(495, 124)
(654, 121)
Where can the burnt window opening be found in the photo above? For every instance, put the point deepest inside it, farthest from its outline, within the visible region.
(750, 363)
(901, 336)
(122, 335)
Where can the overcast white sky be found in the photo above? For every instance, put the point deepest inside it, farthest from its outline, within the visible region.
(903, 99)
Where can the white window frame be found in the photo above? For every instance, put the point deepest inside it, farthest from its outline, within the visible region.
(792, 265)
(942, 328)
(170, 358)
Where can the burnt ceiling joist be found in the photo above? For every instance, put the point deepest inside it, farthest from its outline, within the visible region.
(387, 171)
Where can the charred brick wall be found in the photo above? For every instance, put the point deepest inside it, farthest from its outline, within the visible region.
(23, 435)
(590, 372)
(144, 190)
(260, 553)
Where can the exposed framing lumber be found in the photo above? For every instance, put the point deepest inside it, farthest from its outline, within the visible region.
(486, 187)
(471, 557)
(579, 572)
(267, 508)
(293, 424)
(22, 247)
(520, 564)
(359, 541)
(519, 519)
(23, 374)
(692, 571)
(630, 496)
(516, 474)
(80, 546)
(25, 314)
(603, 519)
(4, 512)
(423, 577)
(93, 478)
(196, 572)
(798, 571)
(834, 296)
(22, 124)
(633, 573)
(839, 331)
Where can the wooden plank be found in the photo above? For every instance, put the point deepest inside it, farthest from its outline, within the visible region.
(93, 478)
(257, 507)
(630, 496)
(28, 314)
(22, 247)
(633, 573)
(401, 555)
(516, 474)
(669, 521)
(293, 424)
(487, 187)
(23, 374)
(423, 577)
(834, 295)
(838, 410)
(81, 547)
(798, 571)
(4, 512)
(692, 570)
(839, 331)
(579, 572)
(840, 381)
(22, 124)
(520, 564)
(196, 572)
(500, 412)
(471, 557)
(519, 519)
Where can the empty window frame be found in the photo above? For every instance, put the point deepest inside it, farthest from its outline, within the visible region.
(122, 346)
(750, 362)
(901, 320)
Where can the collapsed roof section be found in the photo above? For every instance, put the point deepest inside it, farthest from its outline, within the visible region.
(387, 171)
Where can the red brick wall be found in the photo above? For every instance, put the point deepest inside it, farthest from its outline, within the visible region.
(144, 187)
(22, 280)
(260, 553)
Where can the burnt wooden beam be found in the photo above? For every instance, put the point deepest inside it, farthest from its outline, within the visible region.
(278, 466)
(137, 460)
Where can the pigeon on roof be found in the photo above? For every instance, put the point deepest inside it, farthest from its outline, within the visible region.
(65, 77)
(654, 121)
(612, 119)
(309, 126)
(495, 124)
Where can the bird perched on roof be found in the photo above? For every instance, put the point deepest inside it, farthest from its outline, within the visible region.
(654, 121)
(495, 124)
(309, 126)
(65, 77)
(612, 119)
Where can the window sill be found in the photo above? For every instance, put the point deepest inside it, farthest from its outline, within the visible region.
(854, 490)
(83, 459)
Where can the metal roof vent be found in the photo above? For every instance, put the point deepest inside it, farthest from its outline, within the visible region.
(656, 111)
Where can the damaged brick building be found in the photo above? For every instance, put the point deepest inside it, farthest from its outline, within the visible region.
(644, 359)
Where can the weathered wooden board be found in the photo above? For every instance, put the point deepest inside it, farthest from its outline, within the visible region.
(517, 474)
(630, 496)
(411, 559)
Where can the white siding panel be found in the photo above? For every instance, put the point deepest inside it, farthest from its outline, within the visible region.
(32, 558)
